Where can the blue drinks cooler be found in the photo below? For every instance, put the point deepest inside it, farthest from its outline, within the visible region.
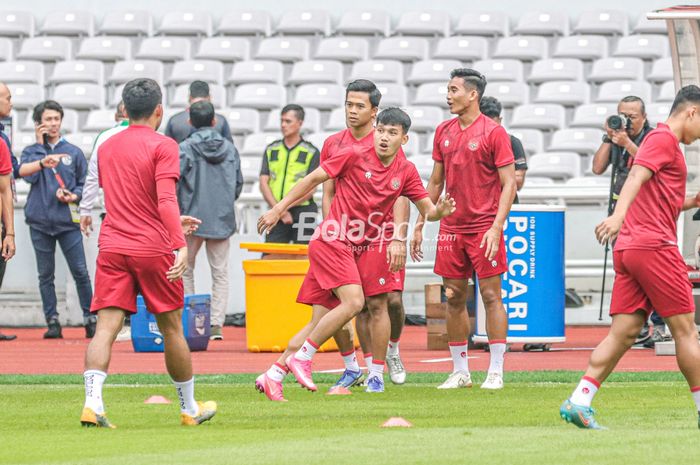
(533, 288)
(196, 321)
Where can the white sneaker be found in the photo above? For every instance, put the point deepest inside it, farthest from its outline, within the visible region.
(458, 379)
(397, 372)
(124, 334)
(493, 381)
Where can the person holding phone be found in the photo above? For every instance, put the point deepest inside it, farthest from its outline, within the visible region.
(56, 171)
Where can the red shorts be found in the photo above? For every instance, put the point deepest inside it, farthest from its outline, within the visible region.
(120, 278)
(331, 265)
(651, 279)
(459, 255)
(334, 264)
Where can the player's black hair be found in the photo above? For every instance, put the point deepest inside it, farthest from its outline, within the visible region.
(393, 116)
(472, 78)
(297, 109)
(141, 97)
(490, 106)
(46, 105)
(202, 114)
(688, 94)
(199, 89)
(634, 98)
(366, 86)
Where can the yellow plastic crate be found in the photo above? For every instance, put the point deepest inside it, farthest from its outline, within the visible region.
(272, 314)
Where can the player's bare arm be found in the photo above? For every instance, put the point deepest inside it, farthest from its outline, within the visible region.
(610, 228)
(445, 206)
(436, 184)
(691, 202)
(396, 251)
(8, 221)
(298, 192)
(492, 237)
(328, 194)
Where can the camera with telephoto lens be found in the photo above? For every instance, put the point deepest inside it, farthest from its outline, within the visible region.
(617, 122)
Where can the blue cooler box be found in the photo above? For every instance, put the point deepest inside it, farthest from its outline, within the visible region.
(196, 321)
(533, 287)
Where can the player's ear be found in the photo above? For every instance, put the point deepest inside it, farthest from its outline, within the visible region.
(404, 139)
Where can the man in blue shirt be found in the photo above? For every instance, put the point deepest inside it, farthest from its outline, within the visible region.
(52, 212)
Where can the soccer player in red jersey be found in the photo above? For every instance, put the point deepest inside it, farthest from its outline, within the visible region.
(142, 249)
(362, 100)
(650, 272)
(474, 163)
(368, 182)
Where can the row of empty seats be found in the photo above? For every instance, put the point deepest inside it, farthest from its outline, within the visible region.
(346, 49)
(333, 72)
(550, 97)
(319, 22)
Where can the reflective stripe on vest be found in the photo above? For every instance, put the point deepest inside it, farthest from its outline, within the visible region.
(288, 167)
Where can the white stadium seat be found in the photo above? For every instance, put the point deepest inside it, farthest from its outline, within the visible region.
(17, 23)
(588, 181)
(346, 49)
(320, 71)
(224, 49)
(250, 166)
(524, 48)
(99, 120)
(336, 120)
(603, 22)
(246, 22)
(532, 139)
(546, 116)
(191, 70)
(581, 47)
(22, 71)
(463, 48)
(431, 71)
(104, 49)
(283, 49)
(80, 96)
(393, 95)
(260, 96)
(256, 71)
(402, 48)
(592, 115)
(68, 23)
(242, 120)
(610, 69)
(667, 92)
(427, 22)
(567, 93)
(6, 49)
(649, 26)
(582, 141)
(164, 49)
(125, 71)
(305, 22)
(543, 23)
(365, 22)
(254, 144)
(510, 94)
(127, 22)
(26, 96)
(658, 112)
(377, 71)
(483, 23)
(500, 70)
(646, 47)
(77, 71)
(189, 23)
(52, 48)
(556, 69)
(614, 91)
(84, 140)
(555, 165)
(432, 93)
(321, 96)
(661, 70)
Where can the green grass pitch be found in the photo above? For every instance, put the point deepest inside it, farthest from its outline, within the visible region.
(651, 418)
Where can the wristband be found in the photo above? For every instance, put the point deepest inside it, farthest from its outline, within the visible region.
(13, 235)
(41, 163)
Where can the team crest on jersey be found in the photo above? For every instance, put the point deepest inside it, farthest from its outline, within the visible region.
(395, 183)
(447, 143)
(67, 160)
(381, 281)
(473, 144)
(368, 174)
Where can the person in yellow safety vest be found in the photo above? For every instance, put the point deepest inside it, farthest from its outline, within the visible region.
(285, 162)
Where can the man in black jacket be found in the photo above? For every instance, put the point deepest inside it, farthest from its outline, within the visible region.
(210, 182)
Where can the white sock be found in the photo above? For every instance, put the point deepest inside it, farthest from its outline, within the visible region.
(185, 391)
(585, 391)
(368, 361)
(458, 350)
(307, 351)
(94, 379)
(696, 396)
(350, 360)
(497, 349)
(277, 372)
(377, 369)
(393, 350)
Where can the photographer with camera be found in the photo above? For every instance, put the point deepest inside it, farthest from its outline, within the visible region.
(624, 133)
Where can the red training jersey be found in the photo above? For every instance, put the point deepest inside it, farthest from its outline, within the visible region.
(130, 164)
(365, 192)
(471, 158)
(650, 222)
(5, 158)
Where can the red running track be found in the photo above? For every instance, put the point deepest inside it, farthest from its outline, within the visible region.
(30, 354)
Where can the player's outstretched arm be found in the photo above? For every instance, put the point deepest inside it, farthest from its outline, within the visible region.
(691, 202)
(610, 228)
(302, 188)
(445, 206)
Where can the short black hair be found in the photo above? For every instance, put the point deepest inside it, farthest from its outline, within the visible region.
(199, 89)
(202, 114)
(471, 77)
(46, 105)
(688, 94)
(366, 86)
(634, 98)
(393, 116)
(141, 97)
(297, 109)
(490, 106)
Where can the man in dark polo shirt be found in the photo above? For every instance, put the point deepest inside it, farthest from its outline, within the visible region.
(179, 127)
(491, 107)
